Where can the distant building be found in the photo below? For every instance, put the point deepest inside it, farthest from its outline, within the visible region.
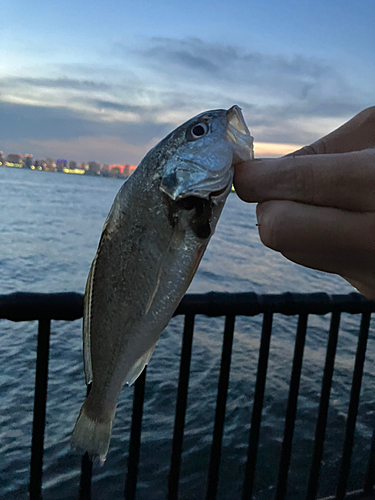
(28, 161)
(41, 165)
(14, 160)
(128, 169)
(94, 167)
(115, 170)
(61, 164)
(105, 170)
(50, 165)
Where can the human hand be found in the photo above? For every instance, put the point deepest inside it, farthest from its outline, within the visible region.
(317, 206)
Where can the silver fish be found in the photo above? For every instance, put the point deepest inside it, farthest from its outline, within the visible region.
(152, 242)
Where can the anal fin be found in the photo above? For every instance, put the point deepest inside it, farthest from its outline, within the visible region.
(139, 365)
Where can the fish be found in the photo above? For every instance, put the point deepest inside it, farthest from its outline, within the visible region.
(151, 245)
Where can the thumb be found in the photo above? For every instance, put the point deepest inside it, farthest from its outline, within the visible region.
(342, 181)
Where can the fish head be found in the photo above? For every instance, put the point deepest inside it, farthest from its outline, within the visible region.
(206, 149)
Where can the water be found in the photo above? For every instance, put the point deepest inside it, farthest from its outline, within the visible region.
(50, 225)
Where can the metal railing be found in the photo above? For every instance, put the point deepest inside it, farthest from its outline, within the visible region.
(69, 306)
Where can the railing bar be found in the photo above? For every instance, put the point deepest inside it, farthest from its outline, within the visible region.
(370, 472)
(257, 406)
(86, 470)
(39, 418)
(290, 418)
(135, 437)
(213, 469)
(353, 406)
(321, 423)
(179, 423)
(21, 306)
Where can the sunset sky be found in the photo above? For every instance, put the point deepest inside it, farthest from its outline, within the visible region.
(105, 81)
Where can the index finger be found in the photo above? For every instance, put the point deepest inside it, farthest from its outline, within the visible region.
(345, 181)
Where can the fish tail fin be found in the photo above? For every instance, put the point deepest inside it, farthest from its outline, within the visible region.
(91, 436)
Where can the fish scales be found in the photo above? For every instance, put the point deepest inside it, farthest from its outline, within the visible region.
(151, 245)
(146, 243)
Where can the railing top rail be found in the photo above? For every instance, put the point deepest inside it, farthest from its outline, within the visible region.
(21, 306)
(251, 304)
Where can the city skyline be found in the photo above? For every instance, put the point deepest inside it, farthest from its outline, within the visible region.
(28, 161)
(111, 80)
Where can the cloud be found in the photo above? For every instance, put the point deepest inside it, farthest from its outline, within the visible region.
(57, 83)
(32, 129)
(184, 54)
(298, 122)
(164, 82)
(295, 76)
(223, 58)
(118, 106)
(277, 87)
(34, 122)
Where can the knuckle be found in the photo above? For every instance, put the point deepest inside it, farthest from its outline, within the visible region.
(368, 114)
(271, 217)
(306, 150)
(316, 148)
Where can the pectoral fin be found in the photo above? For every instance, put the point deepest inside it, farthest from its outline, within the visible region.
(139, 365)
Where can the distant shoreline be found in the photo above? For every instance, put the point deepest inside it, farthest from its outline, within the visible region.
(75, 171)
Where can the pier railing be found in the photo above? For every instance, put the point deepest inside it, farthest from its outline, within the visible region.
(69, 307)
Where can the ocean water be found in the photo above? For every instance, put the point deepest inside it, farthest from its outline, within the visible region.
(50, 226)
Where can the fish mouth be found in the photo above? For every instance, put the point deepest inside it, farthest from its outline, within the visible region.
(238, 135)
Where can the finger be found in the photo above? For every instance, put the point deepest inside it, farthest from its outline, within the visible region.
(322, 238)
(363, 280)
(345, 181)
(354, 135)
(364, 284)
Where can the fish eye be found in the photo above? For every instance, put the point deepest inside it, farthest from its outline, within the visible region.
(197, 131)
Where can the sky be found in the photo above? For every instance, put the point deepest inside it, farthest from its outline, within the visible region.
(105, 81)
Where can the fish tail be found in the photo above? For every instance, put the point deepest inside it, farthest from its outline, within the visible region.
(92, 436)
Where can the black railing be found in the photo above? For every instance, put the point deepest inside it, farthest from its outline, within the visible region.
(68, 307)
